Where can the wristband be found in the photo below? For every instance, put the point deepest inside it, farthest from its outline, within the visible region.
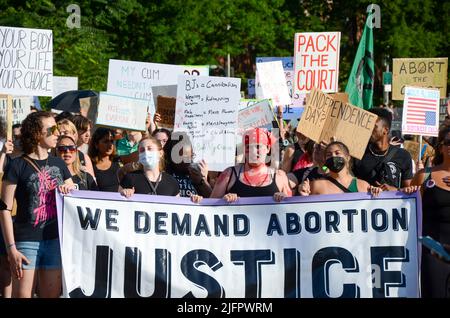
(10, 245)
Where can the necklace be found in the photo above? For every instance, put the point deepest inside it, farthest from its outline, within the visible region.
(255, 185)
(153, 187)
(377, 155)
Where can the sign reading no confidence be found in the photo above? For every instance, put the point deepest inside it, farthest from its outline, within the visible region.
(421, 72)
(26, 61)
(328, 246)
(316, 61)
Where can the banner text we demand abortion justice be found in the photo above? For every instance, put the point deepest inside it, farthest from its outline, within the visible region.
(348, 245)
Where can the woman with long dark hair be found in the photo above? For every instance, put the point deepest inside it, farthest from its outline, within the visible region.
(102, 153)
(435, 187)
(32, 243)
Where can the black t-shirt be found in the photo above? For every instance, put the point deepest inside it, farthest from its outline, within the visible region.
(393, 172)
(35, 195)
(313, 174)
(167, 186)
(85, 183)
(107, 179)
(186, 187)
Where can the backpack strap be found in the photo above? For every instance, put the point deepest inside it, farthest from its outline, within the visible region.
(31, 162)
(337, 184)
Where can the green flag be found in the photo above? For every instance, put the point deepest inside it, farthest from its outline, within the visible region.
(360, 82)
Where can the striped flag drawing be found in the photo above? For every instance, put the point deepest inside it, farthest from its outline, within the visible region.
(421, 111)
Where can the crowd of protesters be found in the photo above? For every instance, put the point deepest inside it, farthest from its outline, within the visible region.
(66, 152)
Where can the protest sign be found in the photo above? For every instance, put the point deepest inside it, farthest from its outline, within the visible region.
(325, 117)
(259, 114)
(287, 61)
(63, 84)
(251, 92)
(316, 61)
(26, 61)
(122, 112)
(89, 107)
(135, 79)
(207, 109)
(330, 246)
(20, 109)
(295, 109)
(273, 82)
(421, 72)
(420, 111)
(165, 107)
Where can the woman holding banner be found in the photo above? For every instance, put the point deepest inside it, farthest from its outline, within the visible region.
(435, 183)
(339, 178)
(254, 178)
(67, 128)
(102, 153)
(32, 242)
(66, 149)
(152, 179)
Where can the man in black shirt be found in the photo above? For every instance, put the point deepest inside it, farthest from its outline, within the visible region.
(384, 165)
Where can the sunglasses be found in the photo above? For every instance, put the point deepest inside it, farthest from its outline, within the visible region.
(52, 130)
(71, 148)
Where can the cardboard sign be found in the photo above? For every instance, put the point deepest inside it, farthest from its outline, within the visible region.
(316, 61)
(165, 107)
(63, 84)
(421, 72)
(207, 110)
(325, 117)
(21, 108)
(342, 97)
(122, 112)
(89, 107)
(273, 82)
(135, 79)
(26, 61)
(420, 111)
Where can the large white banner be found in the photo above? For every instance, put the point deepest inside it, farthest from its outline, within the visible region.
(207, 110)
(26, 61)
(347, 245)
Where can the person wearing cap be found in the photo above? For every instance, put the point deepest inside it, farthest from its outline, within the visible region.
(254, 177)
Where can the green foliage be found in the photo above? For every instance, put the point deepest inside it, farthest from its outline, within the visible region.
(196, 32)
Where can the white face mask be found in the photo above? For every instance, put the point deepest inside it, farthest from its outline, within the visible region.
(149, 159)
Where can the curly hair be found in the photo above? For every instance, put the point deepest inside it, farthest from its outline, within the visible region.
(32, 130)
(438, 157)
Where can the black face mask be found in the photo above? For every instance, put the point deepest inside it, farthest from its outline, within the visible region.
(335, 164)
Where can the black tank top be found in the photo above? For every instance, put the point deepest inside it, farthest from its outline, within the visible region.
(244, 190)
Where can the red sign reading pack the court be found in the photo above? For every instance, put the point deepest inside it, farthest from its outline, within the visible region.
(316, 61)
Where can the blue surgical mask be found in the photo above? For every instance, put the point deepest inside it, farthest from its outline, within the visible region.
(149, 159)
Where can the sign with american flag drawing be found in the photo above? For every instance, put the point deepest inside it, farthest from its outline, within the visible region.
(421, 111)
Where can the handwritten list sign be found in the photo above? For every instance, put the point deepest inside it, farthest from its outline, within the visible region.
(207, 109)
(122, 112)
(26, 61)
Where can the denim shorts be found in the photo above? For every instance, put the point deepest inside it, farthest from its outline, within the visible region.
(41, 254)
